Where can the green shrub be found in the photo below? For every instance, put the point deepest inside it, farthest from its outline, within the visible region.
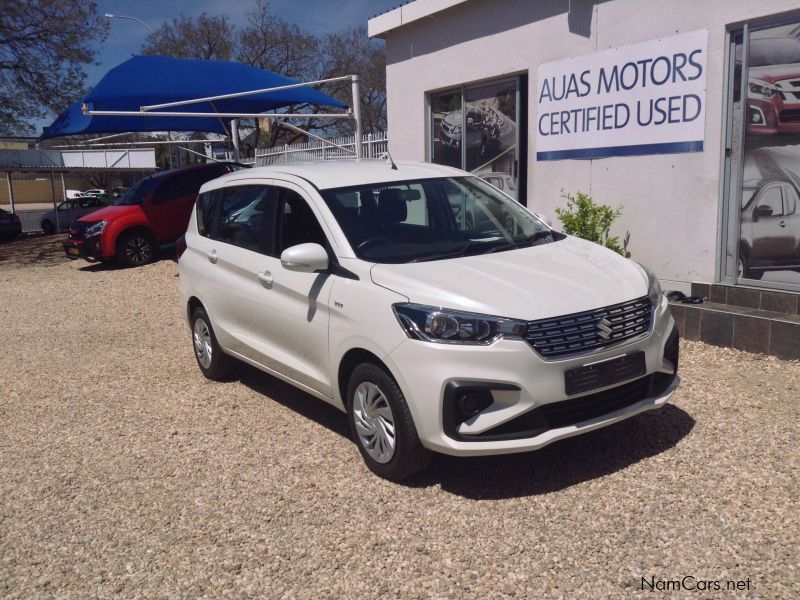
(586, 219)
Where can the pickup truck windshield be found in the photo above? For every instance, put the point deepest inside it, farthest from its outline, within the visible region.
(432, 219)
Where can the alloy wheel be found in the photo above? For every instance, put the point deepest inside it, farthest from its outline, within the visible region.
(138, 250)
(202, 343)
(374, 422)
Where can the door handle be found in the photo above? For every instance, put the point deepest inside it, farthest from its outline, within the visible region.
(266, 279)
(212, 256)
(782, 223)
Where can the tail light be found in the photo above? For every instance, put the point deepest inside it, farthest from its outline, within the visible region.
(180, 246)
(14, 219)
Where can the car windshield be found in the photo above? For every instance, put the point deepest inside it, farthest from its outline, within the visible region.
(432, 219)
(138, 192)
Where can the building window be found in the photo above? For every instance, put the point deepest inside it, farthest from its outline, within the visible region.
(481, 128)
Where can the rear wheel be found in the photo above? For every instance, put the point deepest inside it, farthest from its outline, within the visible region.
(135, 248)
(213, 362)
(382, 426)
(48, 228)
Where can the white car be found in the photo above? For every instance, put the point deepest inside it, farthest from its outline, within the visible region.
(354, 282)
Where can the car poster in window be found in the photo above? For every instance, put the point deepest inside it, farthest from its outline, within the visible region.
(769, 245)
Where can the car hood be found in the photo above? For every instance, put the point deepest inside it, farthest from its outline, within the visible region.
(454, 119)
(108, 213)
(773, 73)
(563, 277)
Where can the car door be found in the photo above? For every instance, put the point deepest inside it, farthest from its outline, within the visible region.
(770, 239)
(169, 208)
(272, 316)
(791, 219)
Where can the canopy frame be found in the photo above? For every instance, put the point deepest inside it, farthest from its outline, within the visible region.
(152, 110)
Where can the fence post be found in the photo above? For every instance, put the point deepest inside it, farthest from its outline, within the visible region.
(10, 192)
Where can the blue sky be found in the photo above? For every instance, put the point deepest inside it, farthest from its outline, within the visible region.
(126, 37)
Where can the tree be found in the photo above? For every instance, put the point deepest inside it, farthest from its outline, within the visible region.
(352, 52)
(44, 45)
(207, 37)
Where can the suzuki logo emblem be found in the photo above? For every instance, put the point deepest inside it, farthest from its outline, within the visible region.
(604, 328)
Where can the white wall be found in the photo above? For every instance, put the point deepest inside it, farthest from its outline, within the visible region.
(670, 202)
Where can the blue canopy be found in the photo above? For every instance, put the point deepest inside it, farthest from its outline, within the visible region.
(148, 80)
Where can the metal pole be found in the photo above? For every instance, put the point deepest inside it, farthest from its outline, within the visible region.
(53, 195)
(235, 138)
(10, 192)
(64, 188)
(241, 94)
(357, 114)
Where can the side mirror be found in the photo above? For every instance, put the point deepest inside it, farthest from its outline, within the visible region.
(305, 258)
(762, 210)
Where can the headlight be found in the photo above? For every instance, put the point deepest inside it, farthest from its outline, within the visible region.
(764, 90)
(95, 229)
(433, 324)
(653, 287)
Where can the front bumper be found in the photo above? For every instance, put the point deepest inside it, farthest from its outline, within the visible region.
(10, 229)
(76, 246)
(523, 385)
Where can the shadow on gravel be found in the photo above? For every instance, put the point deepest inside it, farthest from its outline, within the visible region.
(29, 250)
(296, 400)
(555, 467)
(562, 464)
(113, 265)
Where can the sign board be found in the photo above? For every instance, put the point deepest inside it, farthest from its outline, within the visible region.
(646, 98)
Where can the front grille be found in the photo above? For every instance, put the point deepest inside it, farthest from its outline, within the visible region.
(576, 410)
(790, 116)
(583, 332)
(77, 229)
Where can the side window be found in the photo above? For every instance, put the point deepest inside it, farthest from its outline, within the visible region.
(789, 199)
(246, 217)
(771, 199)
(177, 186)
(298, 223)
(205, 208)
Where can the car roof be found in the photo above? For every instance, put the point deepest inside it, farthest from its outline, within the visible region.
(342, 173)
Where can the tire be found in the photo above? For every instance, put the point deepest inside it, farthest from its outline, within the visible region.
(745, 270)
(213, 362)
(135, 248)
(48, 228)
(374, 404)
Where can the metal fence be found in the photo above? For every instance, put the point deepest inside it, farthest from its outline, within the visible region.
(372, 144)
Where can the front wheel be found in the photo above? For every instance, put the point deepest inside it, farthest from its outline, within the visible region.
(48, 228)
(135, 248)
(382, 426)
(744, 270)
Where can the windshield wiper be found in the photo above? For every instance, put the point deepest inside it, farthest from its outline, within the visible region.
(529, 241)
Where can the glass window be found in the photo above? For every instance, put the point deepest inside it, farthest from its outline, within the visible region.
(462, 216)
(246, 217)
(205, 208)
(789, 199)
(446, 128)
(486, 142)
(298, 224)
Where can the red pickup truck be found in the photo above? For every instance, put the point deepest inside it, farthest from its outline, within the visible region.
(153, 214)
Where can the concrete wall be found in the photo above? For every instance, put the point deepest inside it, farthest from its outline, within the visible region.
(670, 202)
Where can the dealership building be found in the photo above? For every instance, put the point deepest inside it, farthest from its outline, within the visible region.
(638, 104)
(635, 103)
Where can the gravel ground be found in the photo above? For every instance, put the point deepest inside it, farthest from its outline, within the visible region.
(124, 471)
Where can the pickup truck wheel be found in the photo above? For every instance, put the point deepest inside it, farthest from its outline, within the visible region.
(213, 362)
(135, 248)
(382, 426)
(48, 228)
(744, 270)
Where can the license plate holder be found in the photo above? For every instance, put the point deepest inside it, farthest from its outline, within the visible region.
(602, 374)
(74, 251)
